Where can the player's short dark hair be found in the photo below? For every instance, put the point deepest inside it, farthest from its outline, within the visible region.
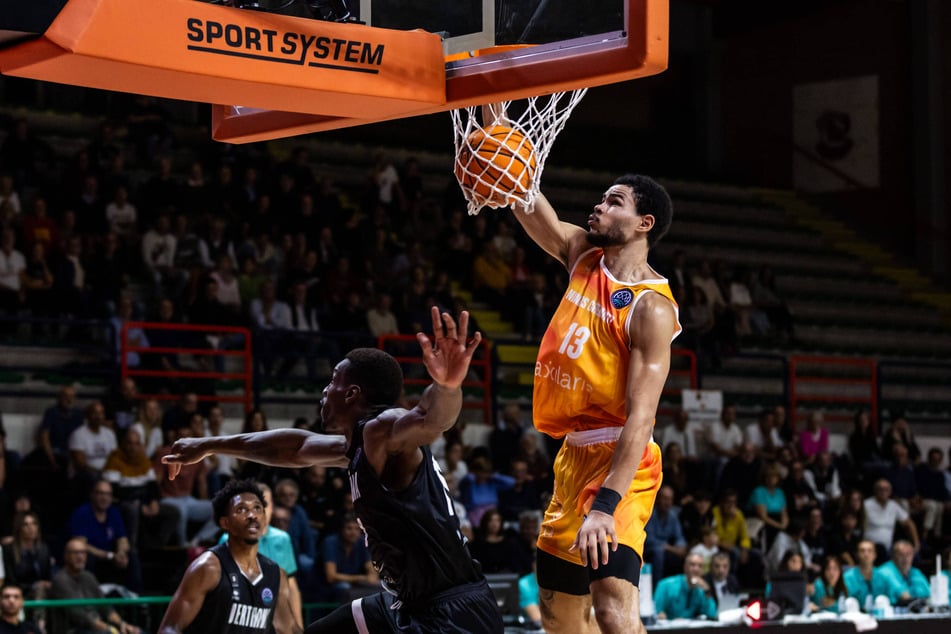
(378, 374)
(652, 199)
(221, 503)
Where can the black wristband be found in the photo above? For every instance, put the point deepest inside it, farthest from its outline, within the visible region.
(606, 501)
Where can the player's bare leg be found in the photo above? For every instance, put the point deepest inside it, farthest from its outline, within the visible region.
(564, 613)
(617, 606)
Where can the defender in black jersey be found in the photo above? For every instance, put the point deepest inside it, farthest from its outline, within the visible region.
(231, 588)
(430, 581)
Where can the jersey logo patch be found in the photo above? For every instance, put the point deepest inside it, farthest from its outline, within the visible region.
(267, 596)
(621, 298)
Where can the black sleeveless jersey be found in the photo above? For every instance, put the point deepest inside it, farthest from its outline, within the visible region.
(413, 535)
(236, 605)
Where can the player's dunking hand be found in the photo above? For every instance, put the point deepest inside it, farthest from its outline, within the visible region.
(447, 355)
(592, 536)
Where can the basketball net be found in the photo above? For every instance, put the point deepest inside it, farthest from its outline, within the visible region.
(538, 119)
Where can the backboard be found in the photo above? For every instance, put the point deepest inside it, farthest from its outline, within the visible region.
(280, 74)
(501, 50)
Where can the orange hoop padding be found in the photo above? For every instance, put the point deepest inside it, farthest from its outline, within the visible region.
(195, 51)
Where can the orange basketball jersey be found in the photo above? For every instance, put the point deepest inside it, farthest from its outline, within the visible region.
(580, 372)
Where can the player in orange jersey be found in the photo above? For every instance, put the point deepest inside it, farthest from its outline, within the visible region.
(600, 371)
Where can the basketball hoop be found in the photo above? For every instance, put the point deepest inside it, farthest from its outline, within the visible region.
(512, 176)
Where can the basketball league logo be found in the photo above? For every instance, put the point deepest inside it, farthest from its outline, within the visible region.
(267, 596)
(621, 298)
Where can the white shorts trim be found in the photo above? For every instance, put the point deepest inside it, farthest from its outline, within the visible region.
(595, 436)
(356, 608)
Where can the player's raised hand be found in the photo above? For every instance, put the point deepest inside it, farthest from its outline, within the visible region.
(447, 354)
(184, 451)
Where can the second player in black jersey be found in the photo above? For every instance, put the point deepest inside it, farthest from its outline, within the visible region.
(231, 589)
(431, 583)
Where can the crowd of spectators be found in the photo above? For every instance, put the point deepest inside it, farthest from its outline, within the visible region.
(242, 236)
(769, 498)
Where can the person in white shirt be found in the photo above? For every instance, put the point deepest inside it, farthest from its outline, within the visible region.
(90, 445)
(881, 515)
(764, 435)
(122, 215)
(686, 434)
(12, 263)
(380, 318)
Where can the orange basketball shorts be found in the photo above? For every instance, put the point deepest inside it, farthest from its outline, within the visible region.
(580, 470)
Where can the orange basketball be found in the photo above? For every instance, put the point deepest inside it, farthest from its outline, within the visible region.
(496, 165)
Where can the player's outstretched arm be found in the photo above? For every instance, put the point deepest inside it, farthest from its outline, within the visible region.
(285, 619)
(654, 324)
(201, 578)
(561, 240)
(277, 447)
(447, 356)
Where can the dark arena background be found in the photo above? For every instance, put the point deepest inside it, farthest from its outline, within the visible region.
(152, 278)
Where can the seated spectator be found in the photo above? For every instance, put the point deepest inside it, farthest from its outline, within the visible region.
(453, 467)
(503, 441)
(11, 606)
(686, 434)
(305, 332)
(829, 586)
(845, 537)
(724, 439)
(665, 546)
(816, 537)
(523, 496)
(149, 427)
(108, 551)
(37, 282)
(814, 439)
(864, 581)
(903, 581)
(741, 474)
(768, 503)
(381, 320)
(881, 515)
(699, 328)
(525, 542)
(58, 424)
(539, 464)
(685, 596)
(271, 318)
(12, 265)
(188, 492)
(675, 473)
(26, 559)
(133, 481)
(479, 490)
(901, 475)
(800, 498)
(721, 581)
(74, 581)
(792, 561)
(707, 547)
(179, 416)
(695, 515)
(492, 547)
(122, 405)
(864, 452)
(347, 563)
(730, 524)
(90, 446)
(764, 435)
(823, 478)
(935, 497)
(790, 539)
(899, 433)
(303, 537)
